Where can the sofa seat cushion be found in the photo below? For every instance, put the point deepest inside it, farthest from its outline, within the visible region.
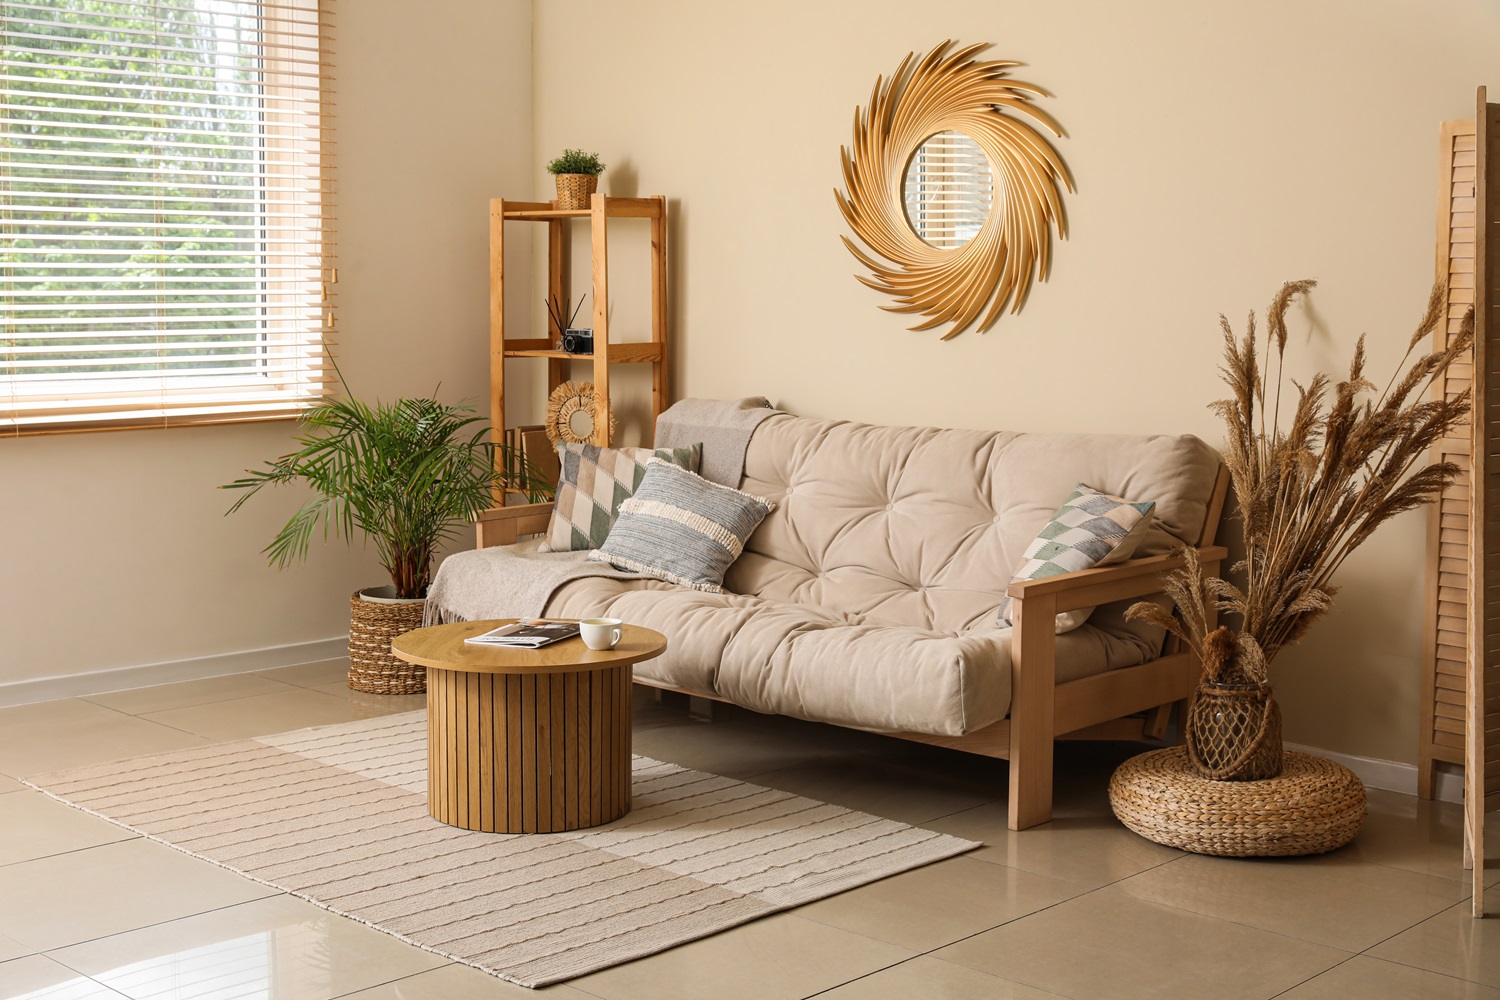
(829, 666)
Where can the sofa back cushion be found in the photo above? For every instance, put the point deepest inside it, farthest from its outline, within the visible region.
(925, 526)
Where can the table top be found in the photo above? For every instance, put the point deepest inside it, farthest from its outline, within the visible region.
(443, 647)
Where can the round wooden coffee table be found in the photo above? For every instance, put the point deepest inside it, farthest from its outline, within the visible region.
(526, 740)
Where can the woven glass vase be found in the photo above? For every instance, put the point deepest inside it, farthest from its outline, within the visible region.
(1233, 732)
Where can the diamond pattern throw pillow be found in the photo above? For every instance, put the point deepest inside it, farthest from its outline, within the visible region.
(1090, 529)
(593, 484)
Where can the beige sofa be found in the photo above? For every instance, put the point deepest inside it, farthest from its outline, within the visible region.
(868, 598)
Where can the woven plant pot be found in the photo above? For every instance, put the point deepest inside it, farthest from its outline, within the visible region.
(372, 626)
(573, 190)
(1233, 732)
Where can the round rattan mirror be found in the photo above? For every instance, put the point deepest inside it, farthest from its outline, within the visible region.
(967, 268)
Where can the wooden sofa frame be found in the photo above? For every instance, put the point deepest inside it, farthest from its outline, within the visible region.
(1125, 704)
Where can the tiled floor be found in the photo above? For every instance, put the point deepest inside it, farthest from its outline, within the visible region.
(1080, 908)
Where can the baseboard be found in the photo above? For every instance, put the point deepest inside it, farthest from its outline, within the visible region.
(144, 675)
(1392, 775)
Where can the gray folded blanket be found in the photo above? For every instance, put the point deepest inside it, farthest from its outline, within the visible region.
(722, 426)
(507, 581)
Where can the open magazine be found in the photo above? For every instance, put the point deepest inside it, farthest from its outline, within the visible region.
(526, 634)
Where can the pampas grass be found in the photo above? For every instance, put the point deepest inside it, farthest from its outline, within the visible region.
(1351, 456)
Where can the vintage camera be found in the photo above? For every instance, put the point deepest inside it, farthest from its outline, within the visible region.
(578, 341)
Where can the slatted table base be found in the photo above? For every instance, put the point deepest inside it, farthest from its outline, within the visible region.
(528, 753)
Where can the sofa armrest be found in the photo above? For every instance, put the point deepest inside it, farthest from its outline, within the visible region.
(506, 525)
(1091, 587)
(1033, 663)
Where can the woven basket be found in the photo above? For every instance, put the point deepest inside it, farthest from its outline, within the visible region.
(1313, 806)
(1233, 732)
(372, 667)
(573, 190)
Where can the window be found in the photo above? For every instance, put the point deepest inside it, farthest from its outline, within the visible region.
(165, 236)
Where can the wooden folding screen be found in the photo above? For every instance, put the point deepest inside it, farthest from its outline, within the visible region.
(1482, 764)
(1445, 649)
(1461, 652)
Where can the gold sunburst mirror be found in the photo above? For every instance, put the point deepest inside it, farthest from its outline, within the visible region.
(952, 190)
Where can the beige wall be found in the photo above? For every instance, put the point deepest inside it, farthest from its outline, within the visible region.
(115, 550)
(1219, 150)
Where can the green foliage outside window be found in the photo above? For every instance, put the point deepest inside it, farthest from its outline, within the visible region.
(132, 168)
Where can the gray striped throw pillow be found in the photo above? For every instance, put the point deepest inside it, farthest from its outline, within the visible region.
(681, 528)
(594, 482)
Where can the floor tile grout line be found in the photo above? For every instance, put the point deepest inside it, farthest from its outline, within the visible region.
(396, 979)
(291, 666)
(1211, 916)
(81, 975)
(932, 952)
(128, 715)
(52, 953)
(197, 704)
(866, 975)
(1376, 958)
(128, 836)
(1315, 975)
(177, 729)
(1420, 968)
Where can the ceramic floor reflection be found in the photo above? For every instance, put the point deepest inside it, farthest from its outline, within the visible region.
(238, 967)
(1080, 908)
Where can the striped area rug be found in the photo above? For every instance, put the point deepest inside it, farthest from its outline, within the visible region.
(338, 816)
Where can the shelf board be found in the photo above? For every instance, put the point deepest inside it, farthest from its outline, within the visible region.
(614, 208)
(552, 213)
(623, 353)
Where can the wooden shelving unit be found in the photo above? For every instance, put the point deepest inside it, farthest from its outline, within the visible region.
(601, 211)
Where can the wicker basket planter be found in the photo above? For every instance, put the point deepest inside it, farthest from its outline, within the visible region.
(373, 623)
(573, 190)
(1313, 806)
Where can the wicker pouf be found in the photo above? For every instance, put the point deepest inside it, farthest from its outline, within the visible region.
(372, 626)
(1313, 806)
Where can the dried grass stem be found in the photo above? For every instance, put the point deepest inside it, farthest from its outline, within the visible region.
(1311, 493)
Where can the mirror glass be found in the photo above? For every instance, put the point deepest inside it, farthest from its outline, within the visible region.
(948, 190)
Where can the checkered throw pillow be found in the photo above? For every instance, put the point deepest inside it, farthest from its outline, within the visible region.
(1090, 529)
(593, 484)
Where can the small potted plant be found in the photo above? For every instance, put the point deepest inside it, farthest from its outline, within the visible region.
(577, 176)
(405, 474)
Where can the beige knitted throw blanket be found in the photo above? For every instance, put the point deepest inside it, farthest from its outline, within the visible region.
(507, 581)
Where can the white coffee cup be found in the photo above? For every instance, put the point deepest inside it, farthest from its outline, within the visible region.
(600, 633)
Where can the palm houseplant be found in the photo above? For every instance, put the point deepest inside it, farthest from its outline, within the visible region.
(405, 475)
(577, 173)
(1350, 456)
